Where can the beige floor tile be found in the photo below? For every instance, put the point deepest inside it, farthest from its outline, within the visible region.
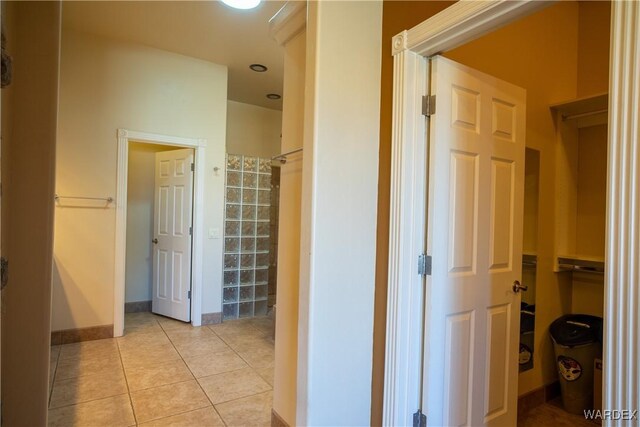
(134, 319)
(148, 356)
(170, 372)
(52, 374)
(215, 363)
(259, 358)
(263, 323)
(55, 352)
(169, 324)
(235, 328)
(266, 374)
(233, 385)
(249, 411)
(201, 347)
(168, 400)
(181, 335)
(72, 368)
(111, 412)
(243, 343)
(138, 341)
(144, 328)
(90, 387)
(205, 417)
(87, 349)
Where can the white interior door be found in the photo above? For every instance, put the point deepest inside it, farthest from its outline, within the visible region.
(475, 208)
(172, 234)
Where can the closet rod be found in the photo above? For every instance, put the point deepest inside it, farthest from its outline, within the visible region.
(580, 115)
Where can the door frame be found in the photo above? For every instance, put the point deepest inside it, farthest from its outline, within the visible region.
(452, 27)
(124, 137)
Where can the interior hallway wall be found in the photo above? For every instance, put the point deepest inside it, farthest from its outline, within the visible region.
(29, 120)
(286, 346)
(252, 130)
(140, 215)
(106, 85)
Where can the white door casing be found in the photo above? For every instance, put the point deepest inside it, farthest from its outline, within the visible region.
(450, 28)
(474, 229)
(172, 229)
(199, 146)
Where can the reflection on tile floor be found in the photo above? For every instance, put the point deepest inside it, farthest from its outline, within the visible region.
(166, 373)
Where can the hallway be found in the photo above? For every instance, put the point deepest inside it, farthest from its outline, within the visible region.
(164, 372)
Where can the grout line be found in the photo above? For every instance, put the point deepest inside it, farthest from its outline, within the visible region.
(55, 371)
(198, 382)
(126, 380)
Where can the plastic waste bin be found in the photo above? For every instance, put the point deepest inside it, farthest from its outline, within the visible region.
(576, 345)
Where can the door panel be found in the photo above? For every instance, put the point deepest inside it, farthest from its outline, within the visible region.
(172, 222)
(476, 185)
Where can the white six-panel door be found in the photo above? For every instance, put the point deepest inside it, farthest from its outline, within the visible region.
(475, 208)
(172, 234)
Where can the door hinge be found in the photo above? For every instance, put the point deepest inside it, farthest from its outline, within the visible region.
(428, 105)
(4, 272)
(419, 419)
(188, 294)
(193, 167)
(190, 231)
(424, 265)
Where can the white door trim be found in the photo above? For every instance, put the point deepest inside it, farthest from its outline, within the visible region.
(450, 28)
(199, 145)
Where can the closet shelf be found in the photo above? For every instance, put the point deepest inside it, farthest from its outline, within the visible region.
(529, 260)
(581, 264)
(584, 112)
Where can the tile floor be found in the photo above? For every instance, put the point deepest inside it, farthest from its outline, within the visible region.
(166, 373)
(551, 414)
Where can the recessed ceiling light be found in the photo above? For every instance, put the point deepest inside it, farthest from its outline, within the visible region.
(258, 68)
(273, 96)
(242, 4)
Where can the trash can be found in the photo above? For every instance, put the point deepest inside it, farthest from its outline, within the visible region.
(576, 345)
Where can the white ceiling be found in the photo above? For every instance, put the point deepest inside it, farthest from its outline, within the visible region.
(208, 30)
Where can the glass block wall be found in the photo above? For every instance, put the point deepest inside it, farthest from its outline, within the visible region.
(246, 236)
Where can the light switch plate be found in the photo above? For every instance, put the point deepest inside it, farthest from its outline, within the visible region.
(214, 233)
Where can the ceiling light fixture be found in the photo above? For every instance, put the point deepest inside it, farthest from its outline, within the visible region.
(258, 68)
(242, 4)
(273, 96)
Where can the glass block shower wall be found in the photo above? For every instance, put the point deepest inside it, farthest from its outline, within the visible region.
(246, 236)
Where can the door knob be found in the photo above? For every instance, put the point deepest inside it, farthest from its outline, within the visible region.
(517, 286)
(155, 241)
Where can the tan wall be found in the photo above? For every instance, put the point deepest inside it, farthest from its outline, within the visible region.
(593, 47)
(29, 118)
(140, 211)
(253, 130)
(286, 349)
(106, 85)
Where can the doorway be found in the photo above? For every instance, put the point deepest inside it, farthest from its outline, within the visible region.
(557, 298)
(169, 144)
(159, 207)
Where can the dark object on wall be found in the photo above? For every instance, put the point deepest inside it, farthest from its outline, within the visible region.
(5, 77)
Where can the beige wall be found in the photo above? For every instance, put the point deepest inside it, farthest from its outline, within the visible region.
(106, 85)
(286, 347)
(140, 206)
(29, 118)
(253, 130)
